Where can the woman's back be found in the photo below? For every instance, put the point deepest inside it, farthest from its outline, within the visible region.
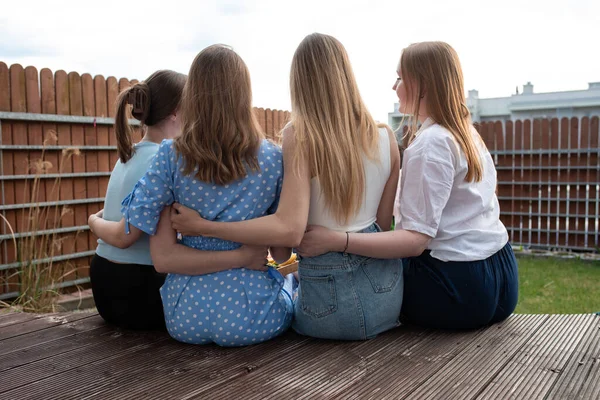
(122, 180)
(376, 173)
(253, 196)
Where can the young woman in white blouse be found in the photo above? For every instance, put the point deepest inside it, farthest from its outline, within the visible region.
(459, 269)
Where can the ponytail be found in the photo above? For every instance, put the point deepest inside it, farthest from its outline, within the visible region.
(151, 102)
(138, 96)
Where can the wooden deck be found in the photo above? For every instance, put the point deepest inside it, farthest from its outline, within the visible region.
(77, 356)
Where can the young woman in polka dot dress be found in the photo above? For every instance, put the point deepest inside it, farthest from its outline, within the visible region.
(222, 167)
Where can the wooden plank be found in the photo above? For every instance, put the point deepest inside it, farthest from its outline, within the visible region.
(34, 130)
(260, 117)
(323, 373)
(8, 187)
(140, 366)
(48, 99)
(61, 82)
(19, 137)
(40, 322)
(66, 370)
(466, 374)
(112, 92)
(199, 368)
(419, 364)
(538, 364)
(91, 159)
(32, 346)
(327, 364)
(101, 101)
(580, 378)
(269, 123)
(15, 318)
(22, 193)
(79, 165)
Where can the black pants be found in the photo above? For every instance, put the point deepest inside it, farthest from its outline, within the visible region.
(127, 295)
(460, 295)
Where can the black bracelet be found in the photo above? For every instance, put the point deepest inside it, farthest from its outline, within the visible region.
(347, 239)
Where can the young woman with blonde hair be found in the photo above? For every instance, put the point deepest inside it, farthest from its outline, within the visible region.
(341, 172)
(221, 167)
(460, 271)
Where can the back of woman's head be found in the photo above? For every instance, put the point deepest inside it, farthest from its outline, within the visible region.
(220, 133)
(432, 70)
(151, 101)
(333, 127)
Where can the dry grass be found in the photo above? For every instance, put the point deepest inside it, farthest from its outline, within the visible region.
(38, 275)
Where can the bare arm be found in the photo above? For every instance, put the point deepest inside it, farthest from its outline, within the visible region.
(285, 228)
(386, 204)
(112, 232)
(171, 257)
(393, 244)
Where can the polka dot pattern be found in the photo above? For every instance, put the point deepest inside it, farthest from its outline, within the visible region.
(236, 307)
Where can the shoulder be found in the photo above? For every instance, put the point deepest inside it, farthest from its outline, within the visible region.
(435, 143)
(166, 146)
(268, 146)
(146, 150)
(385, 131)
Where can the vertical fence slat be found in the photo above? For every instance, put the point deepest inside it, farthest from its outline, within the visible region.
(510, 162)
(102, 131)
(6, 168)
(595, 162)
(34, 131)
(79, 164)
(573, 176)
(112, 92)
(48, 99)
(583, 161)
(18, 103)
(91, 161)
(260, 115)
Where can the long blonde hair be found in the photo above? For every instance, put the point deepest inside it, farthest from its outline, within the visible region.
(434, 68)
(220, 133)
(332, 126)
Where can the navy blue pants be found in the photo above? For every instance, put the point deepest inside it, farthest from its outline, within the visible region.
(460, 295)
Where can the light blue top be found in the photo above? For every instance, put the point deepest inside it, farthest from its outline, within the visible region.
(122, 181)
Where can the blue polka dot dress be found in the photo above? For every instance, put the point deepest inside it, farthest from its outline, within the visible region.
(236, 307)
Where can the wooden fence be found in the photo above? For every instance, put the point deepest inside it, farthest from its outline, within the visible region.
(548, 180)
(548, 170)
(57, 148)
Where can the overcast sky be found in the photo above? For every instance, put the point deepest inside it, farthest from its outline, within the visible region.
(553, 44)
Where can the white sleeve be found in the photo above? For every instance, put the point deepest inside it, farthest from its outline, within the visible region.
(428, 180)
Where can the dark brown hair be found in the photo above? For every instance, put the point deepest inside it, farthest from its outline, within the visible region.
(220, 134)
(151, 102)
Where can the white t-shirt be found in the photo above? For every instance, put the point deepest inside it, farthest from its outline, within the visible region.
(377, 173)
(463, 218)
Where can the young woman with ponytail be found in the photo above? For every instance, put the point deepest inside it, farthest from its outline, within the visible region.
(125, 284)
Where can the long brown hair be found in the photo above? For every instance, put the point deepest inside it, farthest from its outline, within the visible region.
(220, 134)
(332, 125)
(151, 102)
(434, 68)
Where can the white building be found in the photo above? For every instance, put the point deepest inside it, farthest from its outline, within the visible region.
(527, 105)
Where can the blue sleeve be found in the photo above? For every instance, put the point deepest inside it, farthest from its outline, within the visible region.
(154, 191)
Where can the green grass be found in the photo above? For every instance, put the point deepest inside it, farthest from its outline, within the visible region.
(558, 286)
